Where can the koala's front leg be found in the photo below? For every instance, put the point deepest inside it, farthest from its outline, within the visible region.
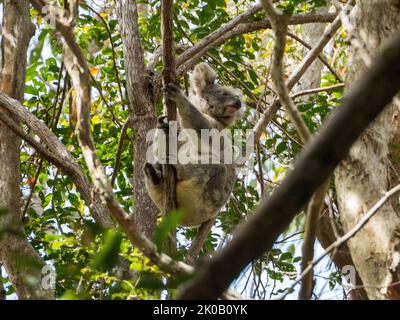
(190, 116)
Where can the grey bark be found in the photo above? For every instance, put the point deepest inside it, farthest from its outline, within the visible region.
(367, 173)
(323, 231)
(141, 108)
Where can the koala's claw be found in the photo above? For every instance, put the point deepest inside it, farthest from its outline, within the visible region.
(162, 119)
(163, 123)
(171, 90)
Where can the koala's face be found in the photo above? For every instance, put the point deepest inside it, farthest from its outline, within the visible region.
(223, 104)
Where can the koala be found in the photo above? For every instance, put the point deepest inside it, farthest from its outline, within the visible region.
(201, 189)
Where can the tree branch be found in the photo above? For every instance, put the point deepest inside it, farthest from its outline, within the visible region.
(245, 27)
(279, 25)
(339, 242)
(199, 240)
(299, 71)
(54, 152)
(140, 94)
(314, 210)
(206, 44)
(169, 76)
(315, 205)
(316, 90)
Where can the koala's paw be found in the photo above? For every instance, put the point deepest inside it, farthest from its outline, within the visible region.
(163, 123)
(172, 91)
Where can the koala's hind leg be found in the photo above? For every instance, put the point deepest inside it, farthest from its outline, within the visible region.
(153, 174)
(154, 183)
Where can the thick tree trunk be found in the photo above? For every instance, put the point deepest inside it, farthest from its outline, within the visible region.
(141, 108)
(362, 179)
(312, 79)
(22, 263)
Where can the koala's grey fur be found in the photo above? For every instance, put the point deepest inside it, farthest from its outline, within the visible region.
(202, 189)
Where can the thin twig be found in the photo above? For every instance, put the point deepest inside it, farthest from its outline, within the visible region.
(316, 90)
(121, 141)
(320, 56)
(109, 107)
(112, 49)
(199, 240)
(279, 26)
(260, 170)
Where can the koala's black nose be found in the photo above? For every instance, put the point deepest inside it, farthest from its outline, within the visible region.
(237, 104)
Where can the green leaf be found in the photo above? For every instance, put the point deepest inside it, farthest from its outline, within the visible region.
(167, 225)
(31, 90)
(281, 147)
(286, 256)
(253, 76)
(107, 257)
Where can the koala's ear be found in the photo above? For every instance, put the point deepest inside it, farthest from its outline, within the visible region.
(202, 76)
